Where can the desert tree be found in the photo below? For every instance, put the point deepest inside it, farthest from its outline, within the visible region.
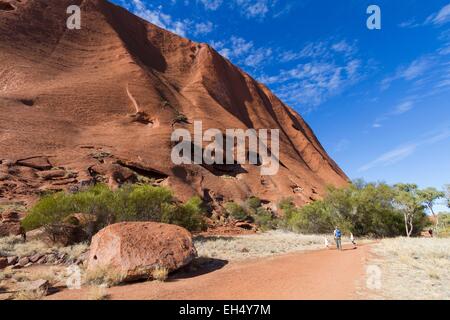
(428, 197)
(409, 203)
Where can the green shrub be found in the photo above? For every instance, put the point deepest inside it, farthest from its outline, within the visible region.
(265, 219)
(188, 215)
(361, 208)
(129, 203)
(253, 204)
(236, 211)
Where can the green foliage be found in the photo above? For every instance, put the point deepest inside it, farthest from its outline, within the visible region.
(236, 211)
(129, 203)
(252, 210)
(444, 218)
(265, 219)
(361, 208)
(447, 194)
(253, 203)
(188, 215)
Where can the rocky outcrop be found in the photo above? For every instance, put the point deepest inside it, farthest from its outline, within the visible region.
(132, 250)
(119, 64)
(10, 224)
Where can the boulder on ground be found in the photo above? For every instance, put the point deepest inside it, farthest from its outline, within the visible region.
(41, 285)
(132, 250)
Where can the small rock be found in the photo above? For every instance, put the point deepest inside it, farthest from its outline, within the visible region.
(245, 225)
(12, 260)
(36, 257)
(29, 264)
(50, 258)
(23, 261)
(3, 262)
(42, 260)
(35, 285)
(52, 174)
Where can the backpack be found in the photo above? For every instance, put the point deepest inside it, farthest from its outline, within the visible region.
(338, 233)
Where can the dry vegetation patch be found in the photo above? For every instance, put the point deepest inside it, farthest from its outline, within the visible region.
(414, 268)
(257, 246)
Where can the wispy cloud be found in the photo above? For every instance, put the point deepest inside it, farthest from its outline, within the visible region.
(403, 107)
(414, 70)
(402, 152)
(243, 52)
(211, 4)
(324, 69)
(255, 8)
(441, 17)
(203, 28)
(438, 18)
(156, 16)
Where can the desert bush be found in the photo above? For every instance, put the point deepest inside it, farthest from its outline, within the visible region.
(236, 211)
(265, 219)
(188, 215)
(38, 294)
(364, 209)
(103, 277)
(129, 203)
(159, 274)
(252, 204)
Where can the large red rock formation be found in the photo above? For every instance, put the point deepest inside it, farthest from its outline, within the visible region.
(85, 102)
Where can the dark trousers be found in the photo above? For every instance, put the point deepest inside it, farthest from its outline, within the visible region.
(338, 243)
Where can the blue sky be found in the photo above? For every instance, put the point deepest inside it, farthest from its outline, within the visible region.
(378, 100)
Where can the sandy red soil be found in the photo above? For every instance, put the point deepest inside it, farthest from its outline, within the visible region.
(323, 274)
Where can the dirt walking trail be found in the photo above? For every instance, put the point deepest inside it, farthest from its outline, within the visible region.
(323, 274)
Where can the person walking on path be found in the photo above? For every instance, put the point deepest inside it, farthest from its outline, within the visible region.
(327, 244)
(352, 239)
(337, 237)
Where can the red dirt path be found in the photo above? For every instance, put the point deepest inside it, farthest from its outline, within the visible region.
(324, 274)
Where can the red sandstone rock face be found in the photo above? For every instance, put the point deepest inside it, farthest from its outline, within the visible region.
(82, 102)
(134, 249)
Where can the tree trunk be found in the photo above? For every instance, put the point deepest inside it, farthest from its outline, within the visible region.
(436, 219)
(405, 215)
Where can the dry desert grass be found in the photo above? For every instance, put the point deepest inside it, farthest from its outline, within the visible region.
(261, 245)
(15, 246)
(415, 268)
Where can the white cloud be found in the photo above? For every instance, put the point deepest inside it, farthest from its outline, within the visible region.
(203, 28)
(402, 152)
(390, 157)
(159, 18)
(243, 52)
(211, 4)
(255, 8)
(403, 108)
(441, 17)
(414, 70)
(326, 69)
(344, 47)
